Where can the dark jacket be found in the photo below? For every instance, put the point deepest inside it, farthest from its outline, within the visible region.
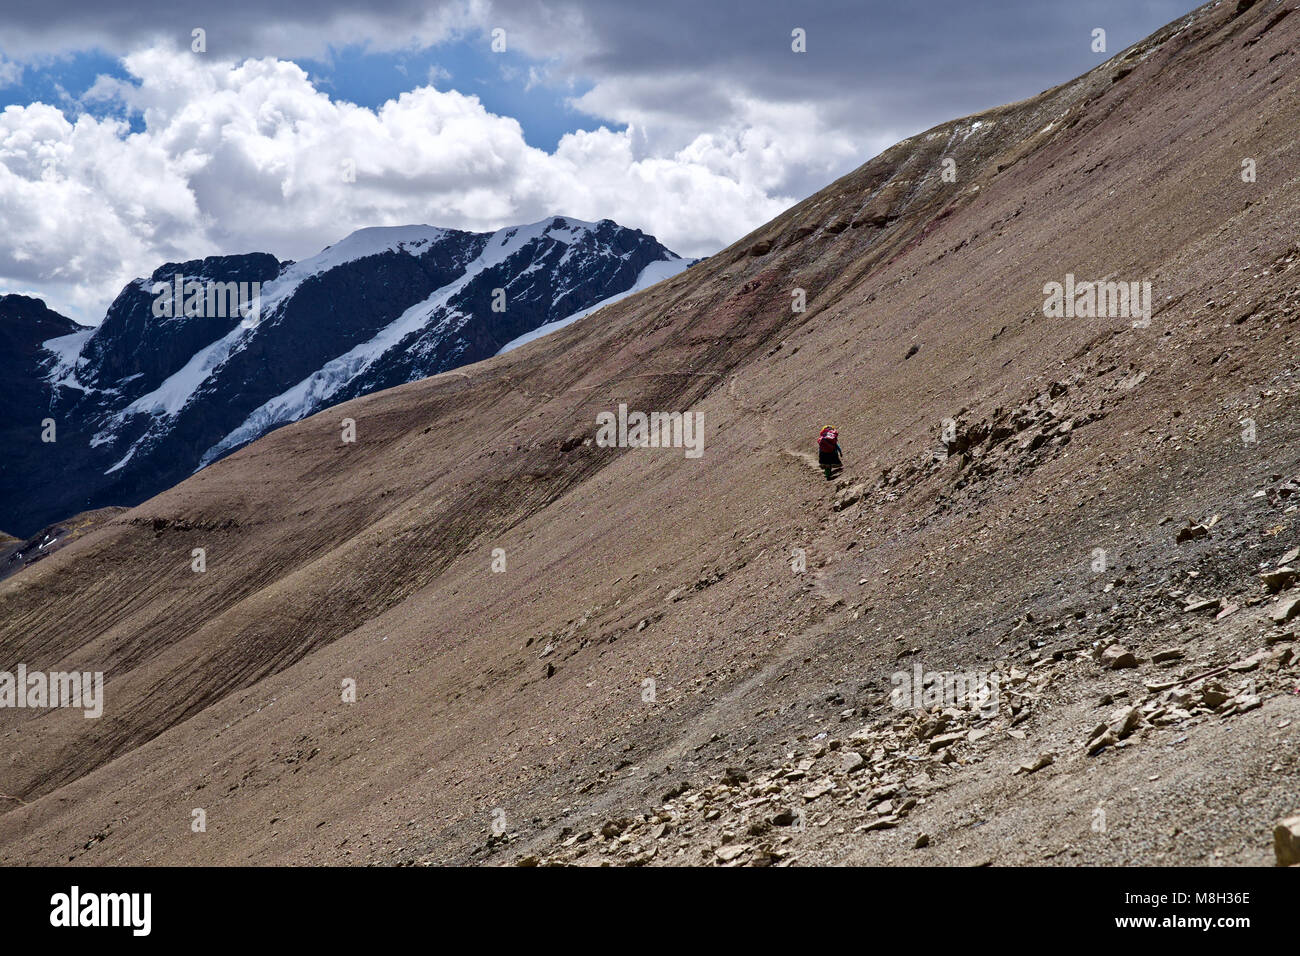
(829, 459)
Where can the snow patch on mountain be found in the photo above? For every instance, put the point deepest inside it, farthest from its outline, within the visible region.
(66, 350)
(371, 241)
(122, 463)
(651, 274)
(180, 387)
(316, 391)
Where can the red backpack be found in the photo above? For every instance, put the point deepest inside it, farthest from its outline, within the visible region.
(828, 441)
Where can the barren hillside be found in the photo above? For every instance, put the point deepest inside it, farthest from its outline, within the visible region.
(505, 716)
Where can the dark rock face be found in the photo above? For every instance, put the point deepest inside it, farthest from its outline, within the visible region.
(133, 342)
(202, 357)
(25, 323)
(27, 462)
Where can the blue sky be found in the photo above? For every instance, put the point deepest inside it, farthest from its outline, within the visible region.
(62, 80)
(358, 75)
(500, 81)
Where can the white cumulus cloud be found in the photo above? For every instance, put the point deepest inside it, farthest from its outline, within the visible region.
(244, 156)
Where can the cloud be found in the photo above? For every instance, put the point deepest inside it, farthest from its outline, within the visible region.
(235, 28)
(869, 65)
(80, 201)
(11, 73)
(252, 156)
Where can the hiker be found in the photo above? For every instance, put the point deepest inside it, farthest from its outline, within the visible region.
(828, 451)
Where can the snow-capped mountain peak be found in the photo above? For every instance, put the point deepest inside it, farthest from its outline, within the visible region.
(202, 357)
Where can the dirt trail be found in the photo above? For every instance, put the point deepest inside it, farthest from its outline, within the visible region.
(767, 428)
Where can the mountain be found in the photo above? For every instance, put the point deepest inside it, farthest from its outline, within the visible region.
(479, 635)
(202, 357)
(26, 323)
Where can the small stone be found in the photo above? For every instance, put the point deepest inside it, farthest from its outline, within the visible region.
(820, 790)
(1228, 609)
(1249, 663)
(728, 853)
(1246, 702)
(1213, 696)
(881, 793)
(852, 761)
(884, 823)
(1033, 766)
(1116, 657)
(676, 791)
(1098, 744)
(1124, 721)
(1167, 655)
(1286, 841)
(1279, 579)
(922, 842)
(944, 740)
(613, 828)
(1285, 609)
